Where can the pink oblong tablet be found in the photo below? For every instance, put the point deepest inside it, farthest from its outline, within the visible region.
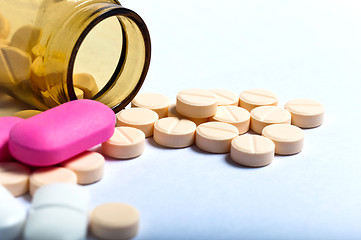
(61, 132)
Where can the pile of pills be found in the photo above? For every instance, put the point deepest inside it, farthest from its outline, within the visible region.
(51, 149)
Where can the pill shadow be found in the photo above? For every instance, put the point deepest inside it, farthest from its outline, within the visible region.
(229, 161)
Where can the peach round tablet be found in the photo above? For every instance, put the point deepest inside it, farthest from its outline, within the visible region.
(253, 98)
(14, 177)
(174, 132)
(306, 113)
(215, 137)
(88, 166)
(225, 97)
(172, 112)
(114, 221)
(60, 133)
(252, 150)
(86, 83)
(25, 114)
(287, 138)
(196, 103)
(126, 142)
(4, 27)
(141, 118)
(6, 123)
(267, 115)
(237, 116)
(4, 42)
(44, 176)
(154, 101)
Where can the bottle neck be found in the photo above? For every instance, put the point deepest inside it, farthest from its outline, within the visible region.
(65, 42)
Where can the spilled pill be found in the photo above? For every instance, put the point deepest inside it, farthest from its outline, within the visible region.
(237, 116)
(287, 138)
(306, 113)
(12, 216)
(252, 150)
(88, 166)
(267, 115)
(14, 177)
(215, 137)
(172, 112)
(61, 132)
(117, 221)
(58, 211)
(141, 118)
(154, 101)
(252, 98)
(196, 103)
(173, 132)
(126, 142)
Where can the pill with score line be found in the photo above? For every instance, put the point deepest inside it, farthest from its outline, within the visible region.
(62, 132)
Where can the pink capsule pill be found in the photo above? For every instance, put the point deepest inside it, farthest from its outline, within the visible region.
(6, 123)
(62, 132)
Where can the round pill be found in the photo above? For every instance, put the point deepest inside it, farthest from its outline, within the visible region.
(86, 83)
(153, 101)
(114, 221)
(126, 142)
(225, 97)
(287, 138)
(252, 150)
(141, 118)
(174, 132)
(266, 115)
(60, 133)
(47, 175)
(172, 112)
(237, 116)
(15, 177)
(215, 137)
(196, 103)
(88, 166)
(4, 27)
(4, 42)
(253, 98)
(306, 113)
(25, 114)
(26, 37)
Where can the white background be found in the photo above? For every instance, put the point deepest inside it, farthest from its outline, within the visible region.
(308, 49)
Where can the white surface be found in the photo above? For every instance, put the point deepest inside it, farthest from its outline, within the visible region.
(308, 49)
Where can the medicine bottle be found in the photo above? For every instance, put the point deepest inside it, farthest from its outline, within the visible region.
(44, 43)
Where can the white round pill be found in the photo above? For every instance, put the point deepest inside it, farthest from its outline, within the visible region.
(140, 118)
(267, 115)
(126, 142)
(196, 103)
(172, 112)
(215, 137)
(306, 113)
(253, 98)
(174, 132)
(237, 116)
(153, 101)
(287, 138)
(252, 150)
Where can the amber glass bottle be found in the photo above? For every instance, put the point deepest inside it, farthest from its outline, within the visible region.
(43, 43)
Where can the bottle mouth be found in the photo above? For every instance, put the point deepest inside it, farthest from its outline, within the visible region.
(124, 54)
